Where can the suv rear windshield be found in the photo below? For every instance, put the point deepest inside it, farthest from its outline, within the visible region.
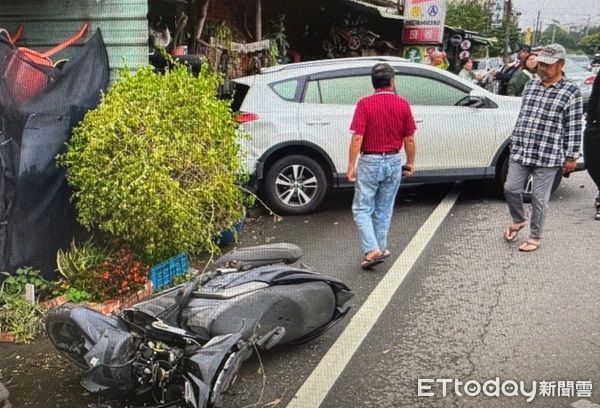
(239, 94)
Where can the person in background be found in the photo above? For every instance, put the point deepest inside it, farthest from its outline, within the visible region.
(516, 85)
(595, 64)
(439, 59)
(591, 140)
(506, 73)
(382, 124)
(466, 71)
(546, 137)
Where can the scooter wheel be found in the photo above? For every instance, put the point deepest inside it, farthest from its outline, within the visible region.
(66, 335)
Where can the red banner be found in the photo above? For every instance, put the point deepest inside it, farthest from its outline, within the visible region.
(421, 35)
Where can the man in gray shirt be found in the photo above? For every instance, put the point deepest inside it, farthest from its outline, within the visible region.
(547, 136)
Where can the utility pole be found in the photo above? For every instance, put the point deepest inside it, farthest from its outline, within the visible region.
(587, 27)
(536, 30)
(555, 23)
(259, 20)
(507, 17)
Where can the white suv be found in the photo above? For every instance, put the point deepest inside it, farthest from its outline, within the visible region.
(298, 119)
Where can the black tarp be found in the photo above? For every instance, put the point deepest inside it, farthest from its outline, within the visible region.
(36, 215)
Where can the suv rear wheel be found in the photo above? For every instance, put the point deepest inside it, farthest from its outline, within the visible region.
(295, 185)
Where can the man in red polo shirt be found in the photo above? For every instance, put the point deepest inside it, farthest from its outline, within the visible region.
(382, 124)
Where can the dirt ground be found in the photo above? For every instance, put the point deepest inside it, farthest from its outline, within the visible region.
(30, 374)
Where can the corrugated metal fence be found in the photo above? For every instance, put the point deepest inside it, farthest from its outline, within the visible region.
(47, 23)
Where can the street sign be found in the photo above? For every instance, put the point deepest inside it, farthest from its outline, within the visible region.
(415, 54)
(424, 21)
(498, 13)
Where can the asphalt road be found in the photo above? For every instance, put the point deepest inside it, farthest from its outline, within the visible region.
(472, 307)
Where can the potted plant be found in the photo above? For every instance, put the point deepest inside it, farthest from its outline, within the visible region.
(179, 49)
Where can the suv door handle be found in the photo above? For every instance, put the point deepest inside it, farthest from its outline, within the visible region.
(418, 120)
(317, 122)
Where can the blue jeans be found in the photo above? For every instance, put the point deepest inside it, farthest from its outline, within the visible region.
(377, 181)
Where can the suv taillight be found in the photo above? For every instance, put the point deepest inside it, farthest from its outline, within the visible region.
(590, 80)
(245, 117)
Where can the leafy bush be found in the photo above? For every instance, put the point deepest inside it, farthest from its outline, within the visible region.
(15, 284)
(19, 316)
(77, 296)
(589, 43)
(155, 165)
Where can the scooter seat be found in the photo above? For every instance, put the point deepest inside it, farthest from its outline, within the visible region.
(255, 256)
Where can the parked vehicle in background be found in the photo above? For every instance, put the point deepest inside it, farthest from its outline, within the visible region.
(580, 77)
(298, 118)
(581, 60)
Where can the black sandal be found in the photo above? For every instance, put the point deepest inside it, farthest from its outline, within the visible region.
(369, 263)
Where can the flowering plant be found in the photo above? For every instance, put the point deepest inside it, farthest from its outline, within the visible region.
(121, 274)
(96, 274)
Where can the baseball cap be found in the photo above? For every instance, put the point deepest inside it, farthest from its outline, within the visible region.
(551, 54)
(525, 47)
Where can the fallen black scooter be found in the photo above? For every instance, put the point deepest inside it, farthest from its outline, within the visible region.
(184, 347)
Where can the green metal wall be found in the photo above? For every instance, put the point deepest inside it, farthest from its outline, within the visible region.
(123, 23)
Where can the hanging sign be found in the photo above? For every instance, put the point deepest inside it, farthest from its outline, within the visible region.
(415, 53)
(497, 13)
(424, 21)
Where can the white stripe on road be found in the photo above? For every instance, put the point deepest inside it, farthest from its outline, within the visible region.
(317, 385)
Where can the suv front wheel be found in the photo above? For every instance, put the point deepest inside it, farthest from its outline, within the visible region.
(295, 185)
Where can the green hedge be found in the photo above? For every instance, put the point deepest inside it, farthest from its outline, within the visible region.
(155, 166)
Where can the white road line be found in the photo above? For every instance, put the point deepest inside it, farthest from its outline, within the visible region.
(317, 385)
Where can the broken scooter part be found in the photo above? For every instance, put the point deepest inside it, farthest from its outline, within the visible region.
(184, 347)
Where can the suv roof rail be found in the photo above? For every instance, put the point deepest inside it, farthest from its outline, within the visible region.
(333, 61)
